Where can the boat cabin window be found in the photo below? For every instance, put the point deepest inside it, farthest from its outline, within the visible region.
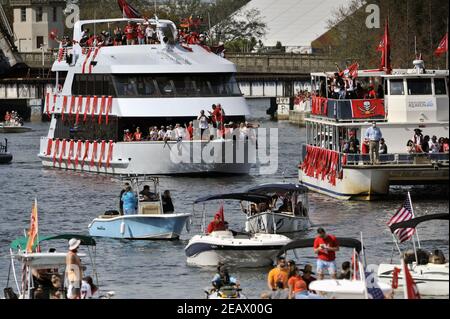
(440, 87)
(176, 85)
(89, 130)
(396, 87)
(419, 87)
(92, 84)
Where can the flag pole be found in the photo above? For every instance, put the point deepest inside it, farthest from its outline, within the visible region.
(412, 211)
(396, 244)
(37, 224)
(405, 289)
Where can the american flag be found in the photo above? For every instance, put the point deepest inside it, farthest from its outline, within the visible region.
(403, 214)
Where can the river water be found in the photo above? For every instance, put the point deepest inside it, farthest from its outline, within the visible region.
(68, 201)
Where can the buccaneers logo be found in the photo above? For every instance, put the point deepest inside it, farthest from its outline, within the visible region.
(367, 108)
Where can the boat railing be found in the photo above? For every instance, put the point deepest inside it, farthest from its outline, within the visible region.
(348, 110)
(399, 159)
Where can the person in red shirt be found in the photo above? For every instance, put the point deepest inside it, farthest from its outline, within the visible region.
(137, 136)
(326, 246)
(216, 225)
(190, 130)
(127, 137)
(129, 32)
(7, 117)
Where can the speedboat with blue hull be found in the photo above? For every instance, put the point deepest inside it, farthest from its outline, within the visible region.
(140, 226)
(150, 221)
(219, 244)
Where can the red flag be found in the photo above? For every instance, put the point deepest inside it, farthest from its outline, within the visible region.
(351, 70)
(443, 46)
(33, 231)
(411, 290)
(385, 48)
(127, 10)
(395, 273)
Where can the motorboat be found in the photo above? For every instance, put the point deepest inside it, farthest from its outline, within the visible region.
(150, 221)
(111, 89)
(9, 127)
(231, 247)
(49, 266)
(5, 157)
(430, 277)
(291, 217)
(226, 292)
(359, 287)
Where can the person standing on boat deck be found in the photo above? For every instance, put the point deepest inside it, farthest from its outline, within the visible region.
(7, 117)
(121, 193)
(383, 147)
(129, 32)
(326, 246)
(203, 123)
(74, 271)
(279, 274)
(161, 133)
(374, 135)
(137, 136)
(190, 130)
(179, 133)
(170, 134)
(167, 204)
(434, 145)
(129, 201)
(140, 30)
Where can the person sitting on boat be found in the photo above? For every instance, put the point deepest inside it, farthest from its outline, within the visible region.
(346, 271)
(127, 137)
(286, 206)
(167, 204)
(383, 147)
(42, 281)
(152, 134)
(137, 136)
(437, 257)
(162, 133)
(410, 147)
(147, 195)
(326, 246)
(217, 224)
(88, 288)
(129, 201)
(372, 93)
(279, 274)
(223, 279)
(7, 117)
(308, 274)
(169, 136)
(300, 210)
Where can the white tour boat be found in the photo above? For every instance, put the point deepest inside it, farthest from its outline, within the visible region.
(232, 248)
(431, 276)
(413, 99)
(110, 89)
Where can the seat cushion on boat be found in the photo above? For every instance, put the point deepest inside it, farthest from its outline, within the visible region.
(150, 208)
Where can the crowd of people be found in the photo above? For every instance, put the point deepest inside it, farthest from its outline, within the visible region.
(205, 127)
(12, 119)
(137, 33)
(347, 87)
(129, 199)
(374, 144)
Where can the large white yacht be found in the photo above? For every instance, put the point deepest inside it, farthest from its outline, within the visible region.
(110, 89)
(413, 99)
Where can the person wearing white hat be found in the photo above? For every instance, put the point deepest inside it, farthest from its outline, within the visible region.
(73, 270)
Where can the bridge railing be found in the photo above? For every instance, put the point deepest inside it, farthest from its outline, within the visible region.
(280, 63)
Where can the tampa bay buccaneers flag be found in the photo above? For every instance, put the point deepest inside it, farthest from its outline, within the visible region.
(443, 46)
(385, 48)
(128, 11)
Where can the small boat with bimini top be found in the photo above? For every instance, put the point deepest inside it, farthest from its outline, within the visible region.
(429, 271)
(291, 217)
(13, 124)
(44, 271)
(150, 221)
(219, 244)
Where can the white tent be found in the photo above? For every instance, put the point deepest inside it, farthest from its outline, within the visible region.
(295, 23)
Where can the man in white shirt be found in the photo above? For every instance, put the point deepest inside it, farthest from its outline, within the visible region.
(434, 145)
(179, 132)
(169, 136)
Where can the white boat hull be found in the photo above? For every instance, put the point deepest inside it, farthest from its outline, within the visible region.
(284, 223)
(431, 279)
(157, 158)
(367, 183)
(344, 289)
(257, 251)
